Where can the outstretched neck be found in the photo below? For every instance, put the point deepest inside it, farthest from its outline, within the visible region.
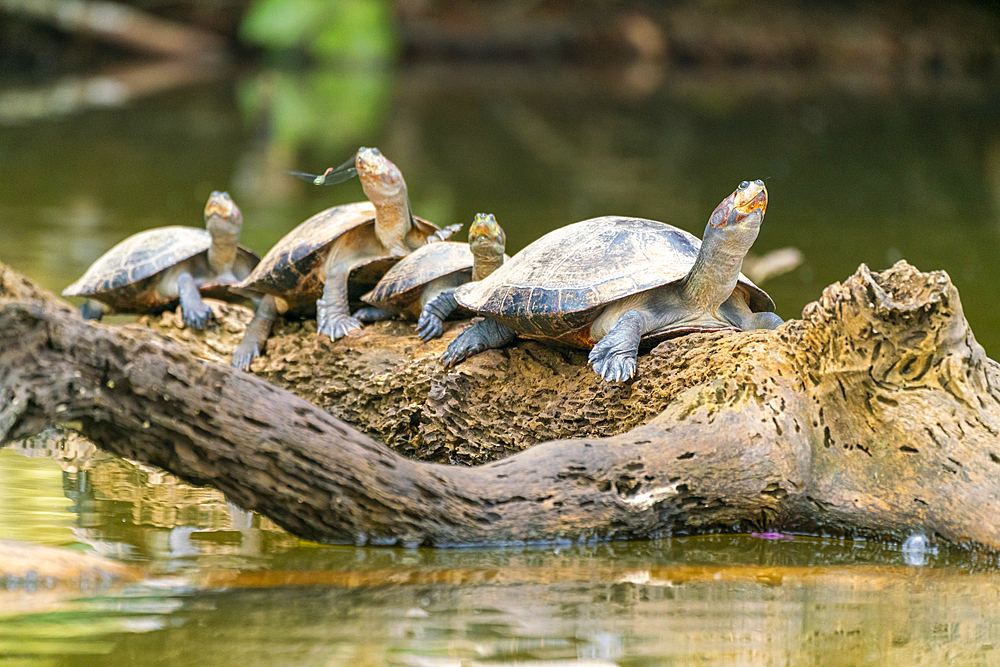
(716, 270)
(393, 220)
(222, 252)
(483, 264)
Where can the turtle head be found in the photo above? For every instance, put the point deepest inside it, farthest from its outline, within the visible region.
(744, 209)
(222, 214)
(487, 242)
(384, 186)
(381, 179)
(486, 236)
(731, 230)
(223, 221)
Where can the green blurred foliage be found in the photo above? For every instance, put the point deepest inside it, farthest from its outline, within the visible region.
(322, 109)
(330, 30)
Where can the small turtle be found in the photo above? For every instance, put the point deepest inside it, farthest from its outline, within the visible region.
(153, 270)
(609, 283)
(420, 287)
(337, 255)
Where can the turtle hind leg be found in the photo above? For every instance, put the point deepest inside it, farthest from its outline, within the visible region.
(92, 310)
(762, 321)
(435, 312)
(373, 314)
(614, 357)
(256, 334)
(483, 335)
(195, 312)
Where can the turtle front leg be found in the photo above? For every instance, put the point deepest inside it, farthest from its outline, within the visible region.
(435, 312)
(256, 334)
(373, 314)
(614, 357)
(333, 313)
(195, 312)
(483, 335)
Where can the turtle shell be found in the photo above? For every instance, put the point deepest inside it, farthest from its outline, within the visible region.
(560, 283)
(403, 283)
(292, 269)
(126, 276)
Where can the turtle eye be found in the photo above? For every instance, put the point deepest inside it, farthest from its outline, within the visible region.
(744, 185)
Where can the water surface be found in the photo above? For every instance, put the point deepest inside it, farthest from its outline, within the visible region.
(854, 176)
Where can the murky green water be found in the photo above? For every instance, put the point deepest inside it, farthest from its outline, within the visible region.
(854, 176)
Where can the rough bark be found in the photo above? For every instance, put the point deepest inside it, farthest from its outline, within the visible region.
(876, 414)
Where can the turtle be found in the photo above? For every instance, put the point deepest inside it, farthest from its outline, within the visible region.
(420, 286)
(337, 255)
(613, 282)
(152, 270)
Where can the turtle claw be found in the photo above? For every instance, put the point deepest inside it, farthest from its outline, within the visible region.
(429, 326)
(197, 317)
(459, 350)
(611, 364)
(339, 326)
(244, 356)
(483, 335)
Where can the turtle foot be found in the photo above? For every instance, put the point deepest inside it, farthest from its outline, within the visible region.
(611, 364)
(483, 335)
(459, 350)
(244, 355)
(339, 326)
(429, 326)
(197, 317)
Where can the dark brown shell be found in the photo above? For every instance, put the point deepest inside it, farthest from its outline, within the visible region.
(403, 283)
(292, 268)
(126, 276)
(562, 281)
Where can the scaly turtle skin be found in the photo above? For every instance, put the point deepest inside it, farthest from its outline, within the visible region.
(612, 282)
(419, 287)
(153, 270)
(337, 255)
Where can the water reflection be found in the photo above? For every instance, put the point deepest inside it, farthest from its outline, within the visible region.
(225, 587)
(124, 510)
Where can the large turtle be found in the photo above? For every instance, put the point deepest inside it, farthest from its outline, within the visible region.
(153, 270)
(420, 286)
(337, 255)
(611, 282)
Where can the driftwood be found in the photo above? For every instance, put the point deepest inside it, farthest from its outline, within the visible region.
(876, 414)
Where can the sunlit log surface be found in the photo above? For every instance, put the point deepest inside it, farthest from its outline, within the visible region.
(875, 414)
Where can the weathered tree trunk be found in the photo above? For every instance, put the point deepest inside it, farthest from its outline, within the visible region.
(876, 414)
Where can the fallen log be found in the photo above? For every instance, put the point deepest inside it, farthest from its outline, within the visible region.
(877, 414)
